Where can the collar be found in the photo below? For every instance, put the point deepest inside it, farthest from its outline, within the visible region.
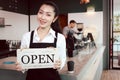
(51, 32)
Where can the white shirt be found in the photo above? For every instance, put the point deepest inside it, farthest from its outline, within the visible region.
(67, 29)
(61, 43)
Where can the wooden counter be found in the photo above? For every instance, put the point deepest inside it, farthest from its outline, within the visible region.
(7, 66)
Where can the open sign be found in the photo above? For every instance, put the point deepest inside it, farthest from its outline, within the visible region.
(37, 58)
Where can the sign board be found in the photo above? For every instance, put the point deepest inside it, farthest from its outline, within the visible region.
(37, 57)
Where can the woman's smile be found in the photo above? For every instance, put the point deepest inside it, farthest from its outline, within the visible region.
(43, 22)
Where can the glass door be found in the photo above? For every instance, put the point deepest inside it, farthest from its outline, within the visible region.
(116, 35)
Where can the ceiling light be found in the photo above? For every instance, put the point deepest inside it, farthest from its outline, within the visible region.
(84, 1)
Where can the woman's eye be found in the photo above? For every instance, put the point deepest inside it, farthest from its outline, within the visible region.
(48, 15)
(40, 12)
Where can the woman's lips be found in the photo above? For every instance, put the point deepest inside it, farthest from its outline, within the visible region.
(42, 22)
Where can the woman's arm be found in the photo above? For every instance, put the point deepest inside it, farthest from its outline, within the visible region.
(61, 46)
(24, 44)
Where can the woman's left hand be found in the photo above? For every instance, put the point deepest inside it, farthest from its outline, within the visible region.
(57, 64)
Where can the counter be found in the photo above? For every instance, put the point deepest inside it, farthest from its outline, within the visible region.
(88, 66)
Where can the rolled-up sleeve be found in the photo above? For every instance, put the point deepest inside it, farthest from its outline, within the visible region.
(25, 41)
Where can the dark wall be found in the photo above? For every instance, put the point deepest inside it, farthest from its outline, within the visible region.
(32, 6)
(18, 6)
(67, 6)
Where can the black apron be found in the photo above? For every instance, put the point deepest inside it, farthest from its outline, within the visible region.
(45, 73)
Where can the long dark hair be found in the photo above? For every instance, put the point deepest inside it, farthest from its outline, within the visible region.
(55, 25)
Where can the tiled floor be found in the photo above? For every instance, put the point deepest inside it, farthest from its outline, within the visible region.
(111, 75)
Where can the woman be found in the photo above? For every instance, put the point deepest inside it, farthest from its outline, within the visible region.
(47, 34)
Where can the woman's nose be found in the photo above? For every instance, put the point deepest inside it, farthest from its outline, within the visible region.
(43, 16)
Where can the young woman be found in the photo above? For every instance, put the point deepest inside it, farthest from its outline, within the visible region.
(47, 34)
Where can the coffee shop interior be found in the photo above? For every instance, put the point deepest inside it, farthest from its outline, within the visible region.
(94, 60)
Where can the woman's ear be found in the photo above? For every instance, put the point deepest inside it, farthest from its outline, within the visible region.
(55, 19)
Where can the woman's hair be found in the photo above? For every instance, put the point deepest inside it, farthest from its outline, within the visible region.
(55, 25)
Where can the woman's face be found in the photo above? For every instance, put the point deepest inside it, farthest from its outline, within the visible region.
(46, 16)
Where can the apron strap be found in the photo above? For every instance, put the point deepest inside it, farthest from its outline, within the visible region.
(55, 40)
(31, 38)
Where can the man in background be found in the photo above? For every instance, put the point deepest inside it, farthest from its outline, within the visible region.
(71, 28)
(68, 32)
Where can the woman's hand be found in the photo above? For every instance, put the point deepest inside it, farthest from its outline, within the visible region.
(57, 64)
(18, 67)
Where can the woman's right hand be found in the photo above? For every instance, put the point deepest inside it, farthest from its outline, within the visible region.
(18, 67)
